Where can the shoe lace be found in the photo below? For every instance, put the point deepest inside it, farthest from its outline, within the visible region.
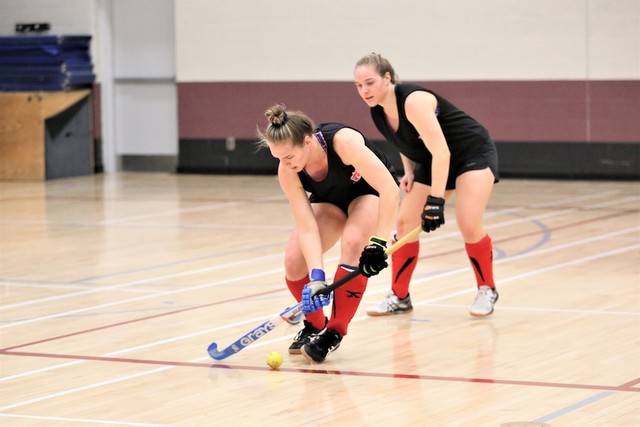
(306, 331)
(391, 302)
(485, 295)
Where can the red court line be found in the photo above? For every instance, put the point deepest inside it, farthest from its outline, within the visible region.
(139, 319)
(622, 388)
(631, 383)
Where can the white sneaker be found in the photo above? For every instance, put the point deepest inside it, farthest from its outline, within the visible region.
(391, 305)
(483, 304)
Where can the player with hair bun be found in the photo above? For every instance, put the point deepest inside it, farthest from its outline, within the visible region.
(353, 197)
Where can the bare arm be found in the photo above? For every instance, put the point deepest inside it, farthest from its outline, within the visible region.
(308, 231)
(407, 164)
(406, 182)
(420, 108)
(350, 146)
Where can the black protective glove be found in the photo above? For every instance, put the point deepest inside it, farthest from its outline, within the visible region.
(373, 258)
(433, 213)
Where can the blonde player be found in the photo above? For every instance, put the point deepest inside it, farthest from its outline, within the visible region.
(339, 188)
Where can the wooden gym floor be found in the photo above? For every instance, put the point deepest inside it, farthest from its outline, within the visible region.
(113, 286)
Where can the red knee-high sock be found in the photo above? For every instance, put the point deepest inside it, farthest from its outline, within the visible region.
(481, 257)
(403, 263)
(346, 300)
(316, 318)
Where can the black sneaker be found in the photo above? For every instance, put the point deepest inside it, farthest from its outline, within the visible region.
(318, 347)
(303, 336)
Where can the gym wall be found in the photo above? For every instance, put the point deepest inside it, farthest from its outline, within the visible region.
(556, 83)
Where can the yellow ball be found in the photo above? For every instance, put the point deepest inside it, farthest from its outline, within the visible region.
(274, 359)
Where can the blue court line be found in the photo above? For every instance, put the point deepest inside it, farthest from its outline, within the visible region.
(573, 407)
(546, 236)
(420, 320)
(498, 253)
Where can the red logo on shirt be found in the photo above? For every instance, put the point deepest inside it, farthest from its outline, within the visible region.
(355, 176)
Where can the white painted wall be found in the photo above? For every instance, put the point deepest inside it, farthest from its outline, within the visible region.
(269, 40)
(146, 118)
(65, 16)
(145, 96)
(258, 40)
(302, 40)
(144, 39)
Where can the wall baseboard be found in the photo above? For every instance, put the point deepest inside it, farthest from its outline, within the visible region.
(136, 163)
(149, 163)
(552, 160)
(569, 160)
(219, 156)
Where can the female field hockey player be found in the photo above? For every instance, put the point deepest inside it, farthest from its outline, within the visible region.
(339, 188)
(442, 150)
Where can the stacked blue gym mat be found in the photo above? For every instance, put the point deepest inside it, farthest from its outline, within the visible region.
(45, 63)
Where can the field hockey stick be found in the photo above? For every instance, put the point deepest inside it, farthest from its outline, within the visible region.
(291, 312)
(391, 249)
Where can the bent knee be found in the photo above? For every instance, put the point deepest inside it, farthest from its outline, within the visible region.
(352, 245)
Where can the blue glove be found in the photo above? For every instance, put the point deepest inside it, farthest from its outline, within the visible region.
(310, 301)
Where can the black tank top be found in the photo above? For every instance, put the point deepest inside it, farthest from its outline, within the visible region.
(463, 133)
(342, 183)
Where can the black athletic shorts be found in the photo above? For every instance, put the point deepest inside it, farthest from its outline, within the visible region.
(343, 199)
(485, 156)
